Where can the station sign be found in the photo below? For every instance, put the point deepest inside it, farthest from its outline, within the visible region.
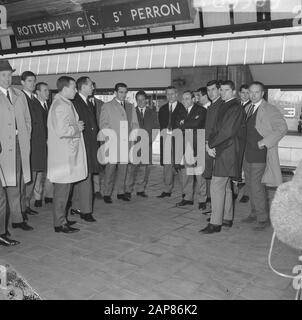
(138, 14)
(97, 18)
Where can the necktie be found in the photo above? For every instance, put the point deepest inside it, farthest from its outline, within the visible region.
(8, 96)
(142, 115)
(45, 106)
(250, 111)
(170, 118)
(122, 103)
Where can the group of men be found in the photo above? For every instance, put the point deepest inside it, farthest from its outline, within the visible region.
(56, 151)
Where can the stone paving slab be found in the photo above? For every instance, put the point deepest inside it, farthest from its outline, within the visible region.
(150, 249)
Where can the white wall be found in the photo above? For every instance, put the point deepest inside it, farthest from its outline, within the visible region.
(278, 74)
(134, 79)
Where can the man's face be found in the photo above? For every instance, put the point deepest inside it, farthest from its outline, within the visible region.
(43, 93)
(121, 94)
(227, 93)
(171, 95)
(70, 91)
(196, 96)
(29, 84)
(203, 99)
(244, 95)
(213, 92)
(141, 101)
(187, 100)
(256, 93)
(87, 88)
(6, 79)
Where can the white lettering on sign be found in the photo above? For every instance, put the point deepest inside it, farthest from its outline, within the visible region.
(153, 12)
(290, 112)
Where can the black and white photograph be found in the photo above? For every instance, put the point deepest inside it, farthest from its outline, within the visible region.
(151, 153)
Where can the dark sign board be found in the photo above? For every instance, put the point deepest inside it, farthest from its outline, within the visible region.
(137, 14)
(61, 26)
(98, 18)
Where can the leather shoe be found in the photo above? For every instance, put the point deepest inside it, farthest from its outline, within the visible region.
(227, 223)
(6, 242)
(38, 204)
(74, 212)
(164, 195)
(261, 226)
(244, 199)
(107, 199)
(211, 228)
(202, 205)
(184, 203)
(87, 217)
(31, 212)
(208, 200)
(123, 197)
(142, 194)
(48, 200)
(71, 223)
(128, 195)
(22, 225)
(66, 229)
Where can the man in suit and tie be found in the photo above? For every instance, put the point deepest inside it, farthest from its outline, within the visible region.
(138, 174)
(97, 178)
(67, 159)
(114, 115)
(15, 133)
(204, 100)
(266, 126)
(169, 117)
(195, 119)
(43, 186)
(83, 190)
(226, 144)
(245, 101)
(38, 156)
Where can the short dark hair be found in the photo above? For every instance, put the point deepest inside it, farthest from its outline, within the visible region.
(141, 93)
(27, 74)
(81, 81)
(229, 83)
(190, 92)
(39, 85)
(244, 86)
(171, 88)
(217, 83)
(203, 91)
(258, 83)
(120, 85)
(63, 82)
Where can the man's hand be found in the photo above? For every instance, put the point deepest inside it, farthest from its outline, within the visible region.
(212, 152)
(261, 145)
(81, 125)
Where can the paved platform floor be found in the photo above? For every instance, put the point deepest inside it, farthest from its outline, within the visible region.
(149, 249)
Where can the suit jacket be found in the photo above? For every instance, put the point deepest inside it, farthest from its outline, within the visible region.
(17, 112)
(45, 114)
(98, 104)
(148, 123)
(272, 126)
(38, 143)
(195, 120)
(90, 133)
(178, 114)
(67, 161)
(112, 116)
(228, 138)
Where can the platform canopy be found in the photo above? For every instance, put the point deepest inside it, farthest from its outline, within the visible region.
(38, 25)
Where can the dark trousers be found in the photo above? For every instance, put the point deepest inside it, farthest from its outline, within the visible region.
(257, 191)
(60, 199)
(83, 195)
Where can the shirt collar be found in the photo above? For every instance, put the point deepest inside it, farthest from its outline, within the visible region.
(207, 105)
(83, 97)
(229, 100)
(4, 91)
(174, 105)
(190, 108)
(257, 105)
(30, 95)
(215, 100)
(119, 101)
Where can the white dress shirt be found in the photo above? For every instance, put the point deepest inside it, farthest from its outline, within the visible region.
(174, 105)
(189, 110)
(208, 104)
(256, 105)
(83, 97)
(142, 109)
(4, 91)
